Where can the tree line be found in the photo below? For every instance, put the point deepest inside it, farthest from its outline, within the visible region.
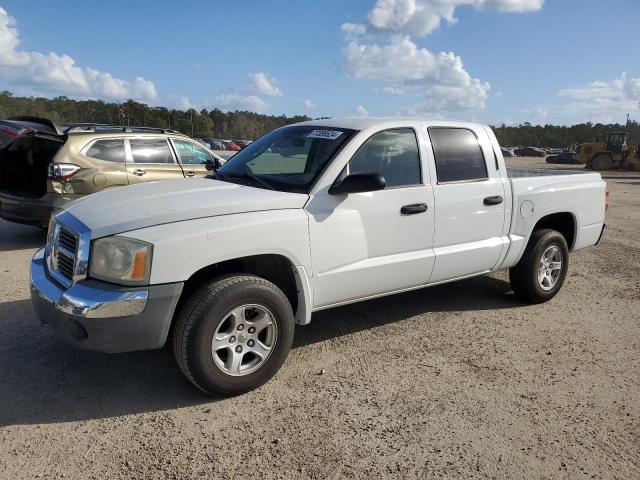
(199, 124)
(249, 125)
(528, 135)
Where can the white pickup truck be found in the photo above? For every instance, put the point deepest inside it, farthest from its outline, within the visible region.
(308, 217)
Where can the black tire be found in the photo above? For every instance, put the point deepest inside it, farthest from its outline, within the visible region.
(601, 162)
(524, 276)
(202, 313)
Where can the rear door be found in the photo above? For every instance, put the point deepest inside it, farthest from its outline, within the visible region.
(150, 159)
(469, 203)
(193, 157)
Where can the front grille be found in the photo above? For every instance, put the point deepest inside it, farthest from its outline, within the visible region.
(68, 240)
(64, 251)
(67, 250)
(65, 264)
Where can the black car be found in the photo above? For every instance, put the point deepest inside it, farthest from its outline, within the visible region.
(530, 152)
(563, 157)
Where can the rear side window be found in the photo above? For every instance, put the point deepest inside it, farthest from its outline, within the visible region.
(458, 155)
(391, 153)
(109, 150)
(150, 150)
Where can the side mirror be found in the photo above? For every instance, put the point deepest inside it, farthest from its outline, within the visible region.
(358, 183)
(212, 166)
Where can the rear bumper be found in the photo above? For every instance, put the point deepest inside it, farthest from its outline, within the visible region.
(32, 211)
(98, 316)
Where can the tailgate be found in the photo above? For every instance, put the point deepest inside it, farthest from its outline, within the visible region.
(27, 147)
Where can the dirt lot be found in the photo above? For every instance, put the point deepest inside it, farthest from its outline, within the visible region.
(456, 381)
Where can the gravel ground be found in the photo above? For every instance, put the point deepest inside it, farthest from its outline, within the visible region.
(455, 381)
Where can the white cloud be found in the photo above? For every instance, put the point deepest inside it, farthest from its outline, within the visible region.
(263, 85)
(59, 74)
(537, 113)
(361, 111)
(602, 101)
(440, 79)
(308, 104)
(421, 17)
(395, 90)
(179, 102)
(240, 101)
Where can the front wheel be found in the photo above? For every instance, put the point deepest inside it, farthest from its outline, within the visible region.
(602, 162)
(233, 334)
(541, 271)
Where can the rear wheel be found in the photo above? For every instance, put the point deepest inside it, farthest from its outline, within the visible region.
(233, 334)
(543, 267)
(601, 162)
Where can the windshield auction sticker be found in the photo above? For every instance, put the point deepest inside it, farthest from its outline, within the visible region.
(326, 134)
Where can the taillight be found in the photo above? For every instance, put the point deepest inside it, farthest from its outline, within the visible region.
(62, 171)
(606, 198)
(10, 131)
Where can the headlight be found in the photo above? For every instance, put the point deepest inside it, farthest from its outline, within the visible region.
(121, 260)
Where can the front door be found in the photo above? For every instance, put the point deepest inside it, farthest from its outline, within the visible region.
(193, 158)
(470, 204)
(151, 159)
(371, 243)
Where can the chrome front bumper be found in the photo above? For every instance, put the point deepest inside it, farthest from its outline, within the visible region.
(99, 316)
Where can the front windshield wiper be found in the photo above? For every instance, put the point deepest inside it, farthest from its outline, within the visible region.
(249, 176)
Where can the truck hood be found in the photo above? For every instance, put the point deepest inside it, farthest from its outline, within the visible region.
(138, 206)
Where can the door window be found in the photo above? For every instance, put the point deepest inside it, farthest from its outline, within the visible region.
(150, 150)
(458, 155)
(191, 154)
(110, 150)
(391, 153)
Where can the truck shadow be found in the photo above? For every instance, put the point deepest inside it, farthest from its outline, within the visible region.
(20, 237)
(46, 381)
(478, 293)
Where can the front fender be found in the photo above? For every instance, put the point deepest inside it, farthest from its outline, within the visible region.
(182, 248)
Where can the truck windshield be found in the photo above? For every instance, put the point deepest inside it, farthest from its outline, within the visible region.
(289, 159)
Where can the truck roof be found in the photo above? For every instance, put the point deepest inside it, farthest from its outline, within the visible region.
(362, 123)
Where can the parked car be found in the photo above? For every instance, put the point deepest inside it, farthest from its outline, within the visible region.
(233, 146)
(242, 143)
(204, 142)
(43, 165)
(530, 152)
(507, 153)
(224, 267)
(564, 157)
(216, 144)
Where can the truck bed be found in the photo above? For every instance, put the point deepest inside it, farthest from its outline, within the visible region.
(537, 193)
(539, 172)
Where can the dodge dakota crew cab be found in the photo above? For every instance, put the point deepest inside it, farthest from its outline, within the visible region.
(308, 217)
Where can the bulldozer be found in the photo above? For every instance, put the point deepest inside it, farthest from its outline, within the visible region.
(609, 151)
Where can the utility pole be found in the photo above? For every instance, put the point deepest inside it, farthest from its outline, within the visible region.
(190, 114)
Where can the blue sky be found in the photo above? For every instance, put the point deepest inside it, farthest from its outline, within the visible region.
(555, 61)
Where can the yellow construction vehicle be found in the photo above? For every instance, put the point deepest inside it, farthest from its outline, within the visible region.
(609, 151)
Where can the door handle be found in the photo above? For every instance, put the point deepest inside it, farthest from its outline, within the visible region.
(495, 200)
(139, 172)
(190, 174)
(413, 209)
